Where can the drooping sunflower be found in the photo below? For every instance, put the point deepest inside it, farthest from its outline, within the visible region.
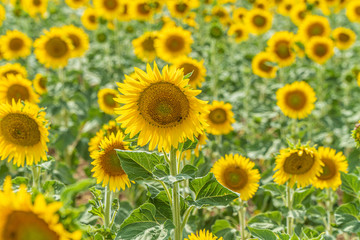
(259, 21)
(79, 40)
(181, 8)
(239, 14)
(106, 100)
(108, 9)
(12, 68)
(261, 67)
(15, 44)
(15, 87)
(203, 235)
(298, 13)
(144, 46)
(172, 43)
(107, 168)
(90, 19)
(281, 47)
(141, 10)
(40, 84)
(161, 107)
(75, 4)
(53, 49)
(344, 37)
(2, 14)
(314, 26)
(320, 49)
(192, 65)
(300, 165)
(239, 30)
(23, 133)
(35, 7)
(334, 163)
(353, 11)
(219, 118)
(296, 100)
(20, 218)
(237, 173)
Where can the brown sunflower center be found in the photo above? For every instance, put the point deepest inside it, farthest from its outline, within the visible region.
(20, 129)
(282, 49)
(148, 44)
(111, 162)
(343, 37)
(112, 130)
(259, 20)
(109, 99)
(21, 225)
(235, 178)
(163, 104)
(220, 14)
(175, 43)
(329, 169)
(295, 164)
(181, 7)
(143, 8)
(357, 11)
(10, 72)
(188, 68)
(75, 40)
(302, 14)
(320, 49)
(110, 4)
(264, 66)
(295, 99)
(316, 29)
(261, 6)
(37, 3)
(92, 19)
(56, 47)
(241, 16)
(43, 82)
(238, 33)
(17, 92)
(288, 7)
(16, 44)
(218, 116)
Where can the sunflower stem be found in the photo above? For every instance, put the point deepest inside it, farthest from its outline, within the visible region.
(186, 217)
(329, 209)
(175, 196)
(242, 212)
(36, 176)
(107, 211)
(289, 219)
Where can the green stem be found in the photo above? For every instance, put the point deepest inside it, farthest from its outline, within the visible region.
(36, 176)
(242, 213)
(329, 209)
(175, 196)
(186, 217)
(167, 192)
(289, 220)
(107, 213)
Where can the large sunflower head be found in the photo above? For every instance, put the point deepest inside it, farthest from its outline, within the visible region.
(296, 100)
(75, 4)
(172, 43)
(15, 87)
(15, 44)
(108, 9)
(300, 165)
(239, 31)
(353, 11)
(161, 107)
(193, 66)
(334, 163)
(53, 49)
(35, 7)
(344, 37)
(141, 10)
(220, 117)
(107, 168)
(261, 65)
(12, 68)
(320, 49)
(79, 40)
(23, 133)
(314, 26)
(144, 46)
(106, 100)
(281, 47)
(239, 14)
(237, 173)
(259, 21)
(40, 84)
(203, 235)
(90, 19)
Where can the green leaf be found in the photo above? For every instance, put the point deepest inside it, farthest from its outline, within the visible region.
(161, 172)
(142, 225)
(274, 189)
(20, 180)
(139, 165)
(346, 217)
(54, 187)
(48, 165)
(283, 236)
(208, 192)
(300, 194)
(263, 234)
(69, 193)
(350, 184)
(188, 144)
(222, 228)
(268, 220)
(316, 211)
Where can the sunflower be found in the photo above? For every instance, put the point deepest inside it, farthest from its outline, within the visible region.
(90, 19)
(141, 10)
(161, 107)
(203, 235)
(23, 133)
(261, 67)
(15, 44)
(285, 7)
(299, 46)
(191, 65)
(239, 30)
(2, 14)
(314, 26)
(356, 132)
(172, 43)
(107, 168)
(344, 37)
(108, 9)
(219, 118)
(301, 165)
(334, 163)
(75, 4)
(124, 14)
(280, 46)
(353, 11)
(181, 8)
(53, 49)
(298, 13)
(239, 14)
(12, 68)
(40, 83)
(259, 21)
(190, 20)
(220, 13)
(106, 100)
(201, 141)
(35, 7)
(15, 87)
(237, 173)
(144, 46)
(262, 4)
(296, 100)
(320, 49)
(22, 219)
(79, 40)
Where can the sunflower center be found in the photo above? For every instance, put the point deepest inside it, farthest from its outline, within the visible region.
(357, 11)
(163, 104)
(75, 40)
(148, 44)
(238, 33)
(112, 130)
(20, 129)
(329, 169)
(143, 8)
(110, 4)
(43, 82)
(92, 19)
(218, 116)
(21, 225)
(17, 92)
(181, 7)
(264, 66)
(10, 72)
(343, 37)
(241, 16)
(220, 14)
(175, 43)
(259, 20)
(320, 50)
(111, 162)
(56, 47)
(302, 15)
(288, 7)
(16, 44)
(295, 164)
(109, 99)
(188, 68)
(295, 99)
(235, 178)
(316, 29)
(282, 49)
(261, 6)
(37, 3)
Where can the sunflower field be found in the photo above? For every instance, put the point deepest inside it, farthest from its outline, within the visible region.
(179, 119)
